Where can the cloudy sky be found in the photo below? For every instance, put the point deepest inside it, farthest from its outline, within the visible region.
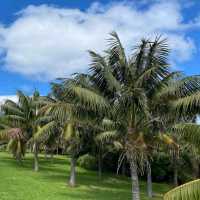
(41, 40)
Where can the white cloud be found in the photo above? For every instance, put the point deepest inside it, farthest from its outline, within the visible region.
(46, 42)
(6, 97)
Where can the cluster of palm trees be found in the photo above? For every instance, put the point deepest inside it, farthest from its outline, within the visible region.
(133, 103)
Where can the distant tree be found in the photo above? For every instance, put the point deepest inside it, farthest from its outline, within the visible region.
(24, 124)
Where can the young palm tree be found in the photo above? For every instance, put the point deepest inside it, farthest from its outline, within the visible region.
(25, 125)
(15, 141)
(72, 118)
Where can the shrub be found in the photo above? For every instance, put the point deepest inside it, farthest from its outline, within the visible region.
(87, 161)
(161, 167)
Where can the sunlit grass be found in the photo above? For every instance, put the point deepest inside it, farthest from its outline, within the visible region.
(19, 182)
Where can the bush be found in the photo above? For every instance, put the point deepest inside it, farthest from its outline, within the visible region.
(161, 167)
(87, 161)
(3, 147)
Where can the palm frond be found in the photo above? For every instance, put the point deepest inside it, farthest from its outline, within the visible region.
(4, 136)
(17, 148)
(182, 87)
(108, 124)
(116, 48)
(44, 119)
(10, 107)
(185, 192)
(14, 118)
(188, 104)
(102, 74)
(45, 132)
(59, 110)
(15, 133)
(189, 131)
(106, 136)
(69, 132)
(23, 99)
(89, 99)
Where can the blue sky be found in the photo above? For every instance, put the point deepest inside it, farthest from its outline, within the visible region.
(44, 39)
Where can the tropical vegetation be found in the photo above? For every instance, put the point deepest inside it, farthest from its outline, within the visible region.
(132, 109)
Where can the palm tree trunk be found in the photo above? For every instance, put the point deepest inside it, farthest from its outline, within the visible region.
(198, 171)
(35, 151)
(195, 167)
(51, 156)
(72, 180)
(45, 153)
(135, 181)
(149, 181)
(175, 173)
(19, 159)
(124, 168)
(57, 150)
(100, 164)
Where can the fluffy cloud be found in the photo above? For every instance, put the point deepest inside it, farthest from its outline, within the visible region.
(11, 97)
(46, 42)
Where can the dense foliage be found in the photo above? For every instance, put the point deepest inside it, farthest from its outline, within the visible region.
(129, 114)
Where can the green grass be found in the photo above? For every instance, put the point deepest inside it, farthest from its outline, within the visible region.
(50, 183)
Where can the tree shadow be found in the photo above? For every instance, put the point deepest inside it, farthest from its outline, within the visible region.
(89, 186)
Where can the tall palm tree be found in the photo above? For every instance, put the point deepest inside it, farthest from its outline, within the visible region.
(123, 82)
(133, 91)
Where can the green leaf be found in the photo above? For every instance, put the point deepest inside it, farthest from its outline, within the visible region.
(106, 136)
(89, 99)
(188, 191)
(45, 132)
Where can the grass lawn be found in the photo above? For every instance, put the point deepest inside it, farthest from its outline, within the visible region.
(50, 183)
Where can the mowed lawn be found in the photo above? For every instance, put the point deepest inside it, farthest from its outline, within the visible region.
(50, 183)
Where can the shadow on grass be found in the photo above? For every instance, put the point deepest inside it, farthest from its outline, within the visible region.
(96, 194)
(89, 186)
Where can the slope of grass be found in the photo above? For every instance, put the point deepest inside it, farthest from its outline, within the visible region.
(50, 183)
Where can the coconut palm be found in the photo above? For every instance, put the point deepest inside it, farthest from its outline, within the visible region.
(15, 141)
(124, 83)
(72, 117)
(25, 125)
(137, 93)
(175, 119)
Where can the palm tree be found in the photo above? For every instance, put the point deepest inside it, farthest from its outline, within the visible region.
(175, 119)
(25, 125)
(59, 107)
(123, 83)
(72, 138)
(137, 93)
(15, 141)
(72, 119)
